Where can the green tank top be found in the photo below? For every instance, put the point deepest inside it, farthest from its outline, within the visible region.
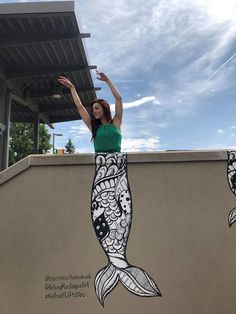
(107, 139)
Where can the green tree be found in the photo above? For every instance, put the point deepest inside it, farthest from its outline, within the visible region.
(21, 141)
(70, 148)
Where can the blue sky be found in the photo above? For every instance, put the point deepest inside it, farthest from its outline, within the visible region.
(174, 64)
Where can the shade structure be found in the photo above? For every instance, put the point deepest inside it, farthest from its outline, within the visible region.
(38, 42)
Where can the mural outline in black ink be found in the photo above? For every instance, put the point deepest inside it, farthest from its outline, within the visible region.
(231, 176)
(111, 213)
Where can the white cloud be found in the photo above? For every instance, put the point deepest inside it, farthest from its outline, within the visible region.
(220, 131)
(156, 102)
(140, 144)
(79, 131)
(138, 103)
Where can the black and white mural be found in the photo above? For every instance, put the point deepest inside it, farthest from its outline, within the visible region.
(111, 209)
(231, 174)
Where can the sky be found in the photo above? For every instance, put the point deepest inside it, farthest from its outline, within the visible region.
(174, 63)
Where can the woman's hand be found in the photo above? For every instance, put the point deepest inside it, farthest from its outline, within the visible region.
(64, 81)
(101, 76)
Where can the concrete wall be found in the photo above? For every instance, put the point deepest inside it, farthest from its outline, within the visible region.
(179, 235)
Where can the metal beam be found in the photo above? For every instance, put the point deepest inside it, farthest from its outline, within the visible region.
(17, 108)
(34, 107)
(5, 112)
(65, 118)
(37, 71)
(56, 107)
(44, 117)
(2, 73)
(40, 38)
(21, 119)
(2, 128)
(23, 102)
(59, 107)
(48, 92)
(36, 133)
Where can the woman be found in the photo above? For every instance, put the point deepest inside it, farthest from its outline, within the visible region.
(105, 130)
(111, 198)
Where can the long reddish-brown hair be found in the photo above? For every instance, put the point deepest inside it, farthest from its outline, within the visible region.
(95, 123)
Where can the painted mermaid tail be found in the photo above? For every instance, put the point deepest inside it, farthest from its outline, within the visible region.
(135, 279)
(232, 217)
(111, 215)
(231, 174)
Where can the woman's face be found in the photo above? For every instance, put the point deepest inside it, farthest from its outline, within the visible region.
(97, 111)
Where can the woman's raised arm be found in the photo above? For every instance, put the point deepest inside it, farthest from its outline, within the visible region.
(82, 111)
(117, 120)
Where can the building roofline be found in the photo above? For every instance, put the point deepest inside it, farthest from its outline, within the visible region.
(36, 7)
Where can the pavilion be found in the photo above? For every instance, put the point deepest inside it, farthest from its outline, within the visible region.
(38, 42)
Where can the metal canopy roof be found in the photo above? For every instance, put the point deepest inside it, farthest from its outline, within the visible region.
(38, 42)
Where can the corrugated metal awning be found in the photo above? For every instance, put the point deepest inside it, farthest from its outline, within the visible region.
(38, 42)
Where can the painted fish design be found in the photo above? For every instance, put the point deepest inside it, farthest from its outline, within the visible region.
(111, 209)
(231, 174)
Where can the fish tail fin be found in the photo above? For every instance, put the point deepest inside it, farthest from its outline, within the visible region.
(134, 279)
(106, 280)
(137, 281)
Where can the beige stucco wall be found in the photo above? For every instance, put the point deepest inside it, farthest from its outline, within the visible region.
(179, 235)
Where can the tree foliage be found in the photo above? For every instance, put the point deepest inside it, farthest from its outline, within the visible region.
(21, 141)
(70, 148)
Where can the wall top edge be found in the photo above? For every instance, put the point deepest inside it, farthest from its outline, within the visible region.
(88, 159)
